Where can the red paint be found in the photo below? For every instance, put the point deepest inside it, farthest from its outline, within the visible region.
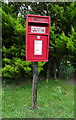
(37, 38)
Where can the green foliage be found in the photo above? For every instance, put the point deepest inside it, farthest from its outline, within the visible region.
(16, 68)
(63, 46)
(9, 71)
(5, 8)
(14, 64)
(61, 41)
(7, 60)
(40, 66)
(66, 69)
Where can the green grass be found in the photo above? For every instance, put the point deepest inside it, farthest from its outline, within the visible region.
(55, 100)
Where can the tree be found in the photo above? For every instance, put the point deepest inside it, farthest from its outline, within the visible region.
(63, 47)
(62, 40)
(14, 64)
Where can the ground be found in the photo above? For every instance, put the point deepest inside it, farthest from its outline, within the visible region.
(55, 99)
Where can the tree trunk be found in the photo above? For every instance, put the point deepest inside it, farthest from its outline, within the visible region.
(54, 70)
(51, 73)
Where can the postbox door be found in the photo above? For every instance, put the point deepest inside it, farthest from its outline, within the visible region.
(37, 47)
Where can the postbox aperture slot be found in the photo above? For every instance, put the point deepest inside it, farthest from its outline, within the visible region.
(38, 24)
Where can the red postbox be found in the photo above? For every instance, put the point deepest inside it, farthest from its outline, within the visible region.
(37, 37)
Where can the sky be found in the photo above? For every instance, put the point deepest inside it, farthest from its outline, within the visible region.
(6, 1)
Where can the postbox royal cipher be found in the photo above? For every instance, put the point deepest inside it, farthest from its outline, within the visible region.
(37, 38)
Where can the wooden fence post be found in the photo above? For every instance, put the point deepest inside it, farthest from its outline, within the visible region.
(34, 85)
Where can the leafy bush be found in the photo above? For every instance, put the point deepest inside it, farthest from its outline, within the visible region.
(16, 68)
(66, 69)
(40, 66)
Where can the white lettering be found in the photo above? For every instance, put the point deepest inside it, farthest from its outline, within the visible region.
(38, 47)
(37, 29)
